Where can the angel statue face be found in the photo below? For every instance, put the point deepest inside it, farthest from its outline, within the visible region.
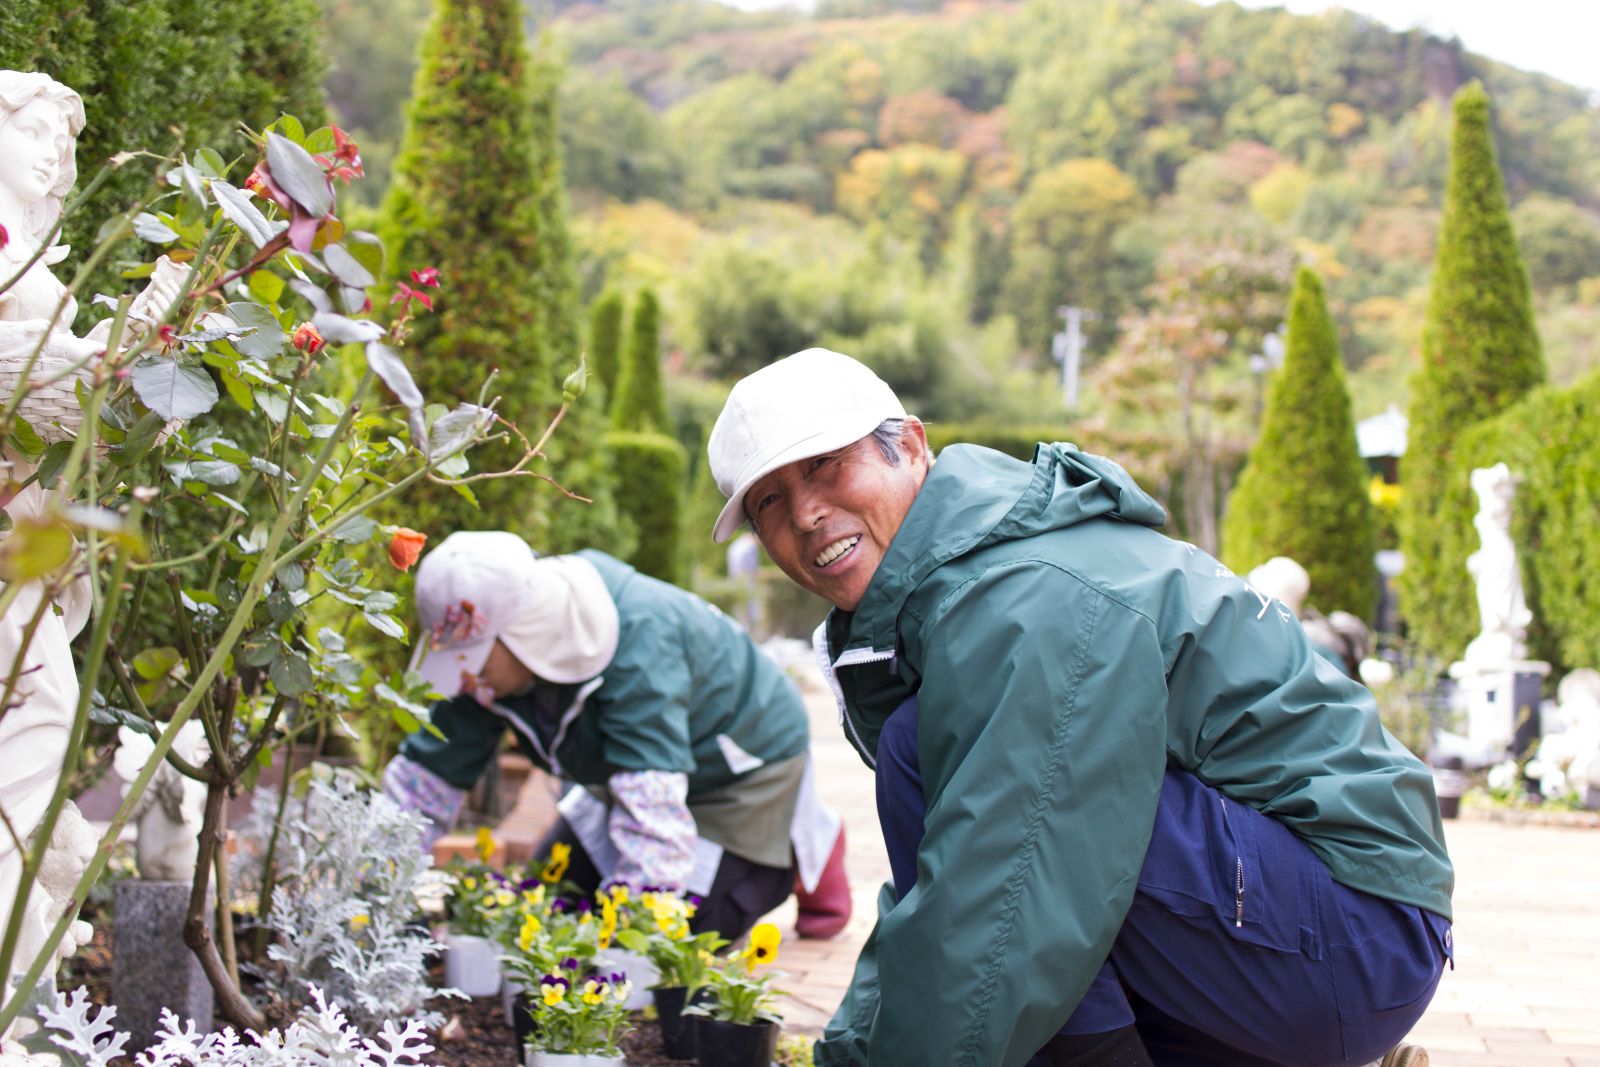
(39, 121)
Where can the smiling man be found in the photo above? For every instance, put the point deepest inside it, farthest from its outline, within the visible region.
(1131, 817)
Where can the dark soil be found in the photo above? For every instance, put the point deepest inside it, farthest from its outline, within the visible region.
(484, 1040)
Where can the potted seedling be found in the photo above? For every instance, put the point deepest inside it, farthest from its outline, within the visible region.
(735, 1025)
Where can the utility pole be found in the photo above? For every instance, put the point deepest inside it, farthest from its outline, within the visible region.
(1066, 348)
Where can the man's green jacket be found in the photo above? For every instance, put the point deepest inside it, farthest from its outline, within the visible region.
(687, 692)
(1063, 655)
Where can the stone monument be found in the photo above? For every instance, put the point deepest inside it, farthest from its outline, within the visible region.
(1497, 683)
(151, 966)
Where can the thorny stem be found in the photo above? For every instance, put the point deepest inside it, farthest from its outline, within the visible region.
(131, 691)
(230, 952)
(196, 933)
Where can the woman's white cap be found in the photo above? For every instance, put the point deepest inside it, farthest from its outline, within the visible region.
(553, 613)
(801, 406)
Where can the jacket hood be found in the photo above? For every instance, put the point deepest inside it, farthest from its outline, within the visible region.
(975, 497)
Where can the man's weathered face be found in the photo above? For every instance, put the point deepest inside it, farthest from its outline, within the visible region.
(827, 520)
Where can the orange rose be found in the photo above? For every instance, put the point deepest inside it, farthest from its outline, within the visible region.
(307, 338)
(405, 547)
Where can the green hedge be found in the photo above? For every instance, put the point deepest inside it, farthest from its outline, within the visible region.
(1551, 442)
(649, 472)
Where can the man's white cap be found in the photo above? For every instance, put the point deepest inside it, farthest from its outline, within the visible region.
(803, 405)
(553, 613)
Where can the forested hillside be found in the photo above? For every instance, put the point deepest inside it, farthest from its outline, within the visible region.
(923, 184)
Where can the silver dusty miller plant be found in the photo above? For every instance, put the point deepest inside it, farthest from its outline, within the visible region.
(349, 867)
(320, 1036)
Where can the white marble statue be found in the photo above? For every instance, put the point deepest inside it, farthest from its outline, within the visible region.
(169, 812)
(1503, 611)
(39, 121)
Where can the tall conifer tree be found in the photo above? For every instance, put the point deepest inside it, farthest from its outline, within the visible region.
(1303, 492)
(477, 193)
(1480, 354)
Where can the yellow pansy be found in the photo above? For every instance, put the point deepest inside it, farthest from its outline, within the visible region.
(505, 898)
(560, 858)
(553, 994)
(619, 894)
(484, 844)
(533, 897)
(763, 946)
(530, 929)
(593, 992)
(469, 883)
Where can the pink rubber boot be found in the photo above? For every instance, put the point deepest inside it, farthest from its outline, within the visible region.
(825, 910)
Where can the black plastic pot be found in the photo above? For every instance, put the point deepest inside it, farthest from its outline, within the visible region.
(677, 1030)
(735, 1044)
(522, 1020)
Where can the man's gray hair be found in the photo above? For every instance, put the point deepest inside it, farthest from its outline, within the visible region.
(887, 437)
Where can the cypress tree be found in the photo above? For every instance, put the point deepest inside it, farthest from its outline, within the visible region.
(1480, 354)
(1303, 492)
(605, 340)
(641, 404)
(477, 194)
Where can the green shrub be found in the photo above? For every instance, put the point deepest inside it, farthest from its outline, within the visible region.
(1551, 442)
(649, 469)
(1303, 493)
(147, 67)
(641, 405)
(1480, 354)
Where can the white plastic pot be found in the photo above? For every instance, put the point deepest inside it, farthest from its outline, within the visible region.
(472, 965)
(535, 1058)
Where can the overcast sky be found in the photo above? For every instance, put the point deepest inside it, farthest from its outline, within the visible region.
(1556, 37)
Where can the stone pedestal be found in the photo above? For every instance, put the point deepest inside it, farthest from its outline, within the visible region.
(151, 967)
(1501, 701)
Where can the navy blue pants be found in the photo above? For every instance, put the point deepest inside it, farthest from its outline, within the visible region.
(1317, 974)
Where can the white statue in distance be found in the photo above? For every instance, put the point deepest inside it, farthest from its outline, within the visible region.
(168, 813)
(1501, 606)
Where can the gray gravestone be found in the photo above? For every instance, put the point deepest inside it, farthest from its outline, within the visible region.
(151, 967)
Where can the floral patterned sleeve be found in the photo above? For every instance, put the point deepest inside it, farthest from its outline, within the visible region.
(651, 826)
(415, 788)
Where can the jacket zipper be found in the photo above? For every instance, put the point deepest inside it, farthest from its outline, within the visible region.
(1238, 866)
(849, 658)
(567, 718)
